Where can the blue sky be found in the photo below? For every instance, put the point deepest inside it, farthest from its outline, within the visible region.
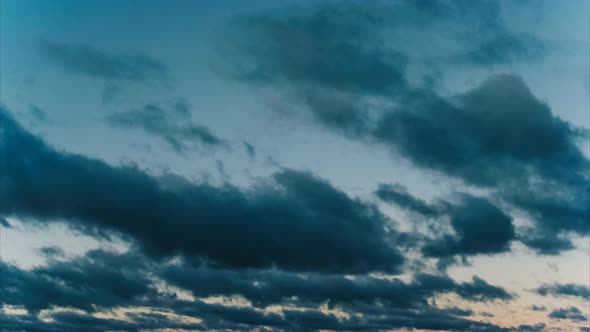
(283, 165)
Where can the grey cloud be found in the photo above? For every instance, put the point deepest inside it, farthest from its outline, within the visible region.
(505, 48)
(571, 313)
(538, 308)
(85, 60)
(169, 121)
(497, 135)
(288, 222)
(479, 226)
(398, 195)
(101, 281)
(51, 251)
(561, 290)
(4, 222)
(264, 288)
(250, 150)
(97, 280)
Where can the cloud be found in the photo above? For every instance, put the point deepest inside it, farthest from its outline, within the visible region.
(571, 313)
(398, 195)
(504, 49)
(64, 321)
(265, 288)
(538, 308)
(479, 227)
(51, 251)
(85, 60)
(325, 47)
(489, 137)
(102, 281)
(545, 242)
(348, 68)
(539, 327)
(250, 150)
(294, 221)
(38, 115)
(170, 122)
(564, 290)
(4, 222)
(97, 280)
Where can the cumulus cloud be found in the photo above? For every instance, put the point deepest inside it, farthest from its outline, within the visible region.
(264, 288)
(97, 280)
(288, 222)
(100, 281)
(398, 194)
(571, 313)
(346, 69)
(479, 227)
(564, 290)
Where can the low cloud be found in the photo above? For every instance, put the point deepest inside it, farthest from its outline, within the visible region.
(287, 222)
(169, 121)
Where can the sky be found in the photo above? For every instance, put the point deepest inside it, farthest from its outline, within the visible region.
(403, 165)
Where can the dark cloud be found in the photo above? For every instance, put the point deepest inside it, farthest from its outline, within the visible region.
(504, 49)
(51, 251)
(561, 290)
(294, 221)
(571, 313)
(331, 59)
(497, 132)
(540, 327)
(169, 121)
(459, 312)
(4, 222)
(398, 195)
(545, 242)
(101, 281)
(359, 48)
(97, 280)
(497, 135)
(479, 226)
(250, 150)
(38, 115)
(558, 212)
(329, 46)
(275, 287)
(500, 136)
(66, 321)
(323, 57)
(85, 60)
(538, 308)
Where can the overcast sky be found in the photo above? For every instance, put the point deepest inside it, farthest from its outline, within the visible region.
(294, 165)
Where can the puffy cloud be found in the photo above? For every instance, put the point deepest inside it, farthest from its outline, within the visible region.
(348, 70)
(264, 288)
(562, 290)
(295, 221)
(479, 227)
(96, 280)
(571, 313)
(399, 195)
(101, 281)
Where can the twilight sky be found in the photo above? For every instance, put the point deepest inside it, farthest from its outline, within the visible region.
(295, 165)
